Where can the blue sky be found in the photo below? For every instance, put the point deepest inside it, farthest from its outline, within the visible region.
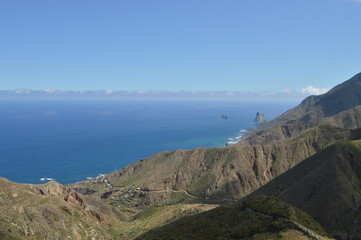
(203, 45)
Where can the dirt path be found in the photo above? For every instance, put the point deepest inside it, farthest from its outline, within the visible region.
(175, 191)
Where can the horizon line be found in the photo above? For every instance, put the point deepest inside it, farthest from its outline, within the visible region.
(284, 95)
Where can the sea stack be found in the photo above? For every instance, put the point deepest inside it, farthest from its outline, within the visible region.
(260, 118)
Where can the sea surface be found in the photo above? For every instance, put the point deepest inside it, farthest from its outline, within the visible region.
(72, 140)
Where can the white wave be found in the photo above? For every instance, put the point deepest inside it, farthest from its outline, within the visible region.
(47, 179)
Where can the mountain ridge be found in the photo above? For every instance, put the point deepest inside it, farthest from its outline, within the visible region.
(327, 186)
(309, 112)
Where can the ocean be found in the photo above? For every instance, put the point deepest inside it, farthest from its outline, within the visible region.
(72, 140)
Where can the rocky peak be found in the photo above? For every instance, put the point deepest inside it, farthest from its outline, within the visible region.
(260, 118)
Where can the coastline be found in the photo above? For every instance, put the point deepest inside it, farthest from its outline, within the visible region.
(72, 141)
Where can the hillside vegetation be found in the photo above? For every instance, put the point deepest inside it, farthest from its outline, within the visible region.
(259, 217)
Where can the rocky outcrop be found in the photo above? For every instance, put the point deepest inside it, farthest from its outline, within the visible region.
(260, 118)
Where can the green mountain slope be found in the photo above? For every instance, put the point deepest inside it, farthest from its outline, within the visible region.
(257, 218)
(327, 186)
(347, 119)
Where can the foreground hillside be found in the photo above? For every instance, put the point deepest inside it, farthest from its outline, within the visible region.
(54, 212)
(327, 186)
(51, 211)
(256, 218)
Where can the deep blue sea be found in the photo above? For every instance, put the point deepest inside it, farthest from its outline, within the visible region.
(72, 140)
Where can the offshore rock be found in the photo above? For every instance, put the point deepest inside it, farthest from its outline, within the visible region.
(260, 118)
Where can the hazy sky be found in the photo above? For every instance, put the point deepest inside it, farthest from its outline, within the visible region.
(238, 45)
